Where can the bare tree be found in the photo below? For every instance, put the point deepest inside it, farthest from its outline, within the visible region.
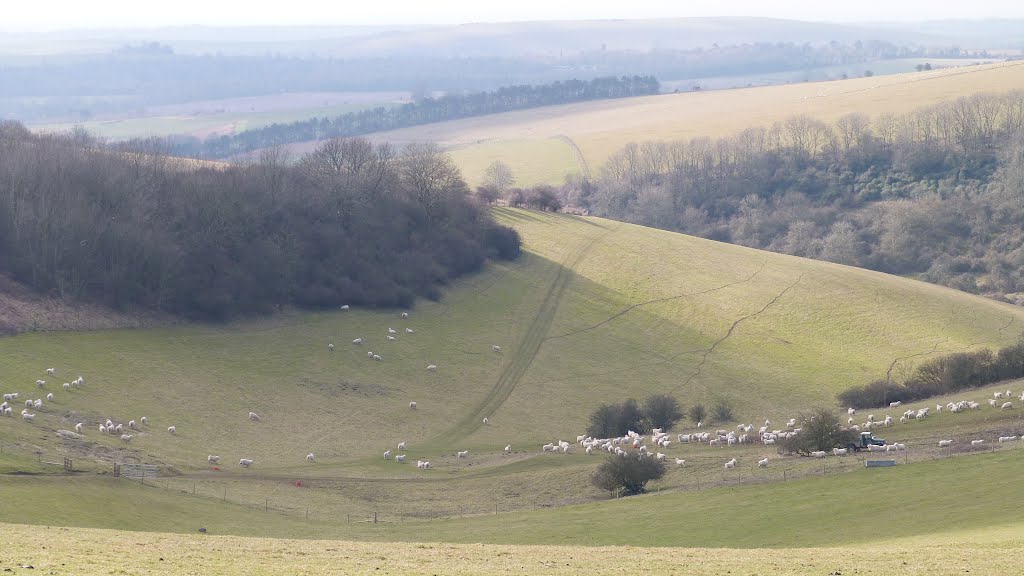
(499, 177)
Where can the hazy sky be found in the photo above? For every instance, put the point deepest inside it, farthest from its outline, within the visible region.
(61, 14)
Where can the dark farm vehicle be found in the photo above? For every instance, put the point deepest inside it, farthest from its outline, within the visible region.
(866, 439)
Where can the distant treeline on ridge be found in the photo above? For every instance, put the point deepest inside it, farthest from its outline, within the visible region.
(424, 111)
(132, 228)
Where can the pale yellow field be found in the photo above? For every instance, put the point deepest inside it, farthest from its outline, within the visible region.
(600, 128)
(52, 550)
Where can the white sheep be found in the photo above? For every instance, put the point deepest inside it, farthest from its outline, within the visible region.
(590, 450)
(1007, 406)
(119, 428)
(67, 386)
(369, 355)
(659, 456)
(387, 454)
(377, 357)
(945, 443)
(392, 331)
(213, 459)
(391, 338)
(977, 442)
(403, 315)
(310, 457)
(345, 307)
(79, 381)
(40, 383)
(819, 454)
(401, 445)
(839, 451)
(131, 424)
(245, 462)
(126, 438)
(432, 367)
(8, 411)
(28, 417)
(330, 347)
(998, 394)
(508, 449)
(422, 464)
(485, 420)
(38, 403)
(409, 331)
(103, 429)
(762, 463)
(144, 420)
(495, 348)
(29, 403)
(851, 411)
(680, 462)
(462, 454)
(412, 405)
(357, 341)
(895, 404)
(254, 417)
(172, 429)
(79, 427)
(1007, 438)
(51, 372)
(730, 464)
(399, 457)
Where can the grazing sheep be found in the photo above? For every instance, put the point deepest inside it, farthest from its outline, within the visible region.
(1007, 406)
(495, 348)
(400, 458)
(330, 347)
(409, 331)
(67, 386)
(391, 338)
(404, 315)
(549, 448)
(485, 421)
(245, 462)
(977, 442)
(29, 403)
(357, 341)
(387, 454)
(38, 403)
(762, 463)
(590, 450)
(463, 454)
(126, 438)
(659, 456)
(310, 457)
(28, 417)
(730, 464)
(377, 357)
(144, 420)
(401, 445)
(895, 404)
(103, 429)
(432, 367)
(79, 427)
(412, 405)
(119, 428)
(172, 429)
(369, 355)
(391, 331)
(998, 394)
(422, 464)
(839, 451)
(819, 454)
(680, 462)
(8, 411)
(79, 381)
(1007, 438)
(344, 307)
(991, 402)
(51, 372)
(254, 417)
(508, 449)
(40, 383)
(131, 424)
(945, 443)
(213, 459)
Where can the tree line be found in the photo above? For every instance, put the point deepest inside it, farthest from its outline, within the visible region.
(424, 111)
(936, 194)
(133, 228)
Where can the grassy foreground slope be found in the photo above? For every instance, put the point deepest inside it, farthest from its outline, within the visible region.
(600, 128)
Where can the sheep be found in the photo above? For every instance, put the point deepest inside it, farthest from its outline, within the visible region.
(103, 429)
(422, 464)
(1007, 438)
(839, 451)
(38, 403)
(369, 355)
(391, 338)
(330, 347)
(28, 417)
(377, 357)
(357, 341)
(9, 397)
(998, 394)
(412, 405)
(392, 331)
(991, 402)
(213, 459)
(387, 454)
(895, 404)
(79, 381)
(508, 449)
(549, 448)
(310, 457)
(8, 411)
(172, 429)
(762, 463)
(819, 454)
(977, 442)
(399, 457)
(1007, 406)
(463, 454)
(589, 450)
(680, 462)
(659, 456)
(126, 438)
(485, 421)
(29, 403)
(730, 464)
(67, 386)
(945, 443)
(119, 428)
(40, 383)
(254, 417)
(79, 427)
(851, 411)
(51, 372)
(403, 315)
(345, 307)
(432, 367)
(144, 420)
(131, 424)
(495, 348)
(245, 462)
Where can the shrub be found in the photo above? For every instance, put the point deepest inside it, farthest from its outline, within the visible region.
(627, 475)
(616, 419)
(698, 413)
(820, 429)
(722, 411)
(662, 411)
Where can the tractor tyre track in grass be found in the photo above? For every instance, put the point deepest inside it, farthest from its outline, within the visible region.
(526, 351)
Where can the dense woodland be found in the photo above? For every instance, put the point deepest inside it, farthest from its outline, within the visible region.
(423, 111)
(937, 194)
(351, 223)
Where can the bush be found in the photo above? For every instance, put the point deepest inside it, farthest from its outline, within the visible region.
(820, 429)
(722, 412)
(627, 475)
(616, 419)
(662, 411)
(878, 393)
(698, 413)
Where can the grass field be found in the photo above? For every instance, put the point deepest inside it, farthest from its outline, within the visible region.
(595, 311)
(603, 127)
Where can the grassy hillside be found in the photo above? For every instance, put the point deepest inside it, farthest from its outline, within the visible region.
(595, 311)
(601, 128)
